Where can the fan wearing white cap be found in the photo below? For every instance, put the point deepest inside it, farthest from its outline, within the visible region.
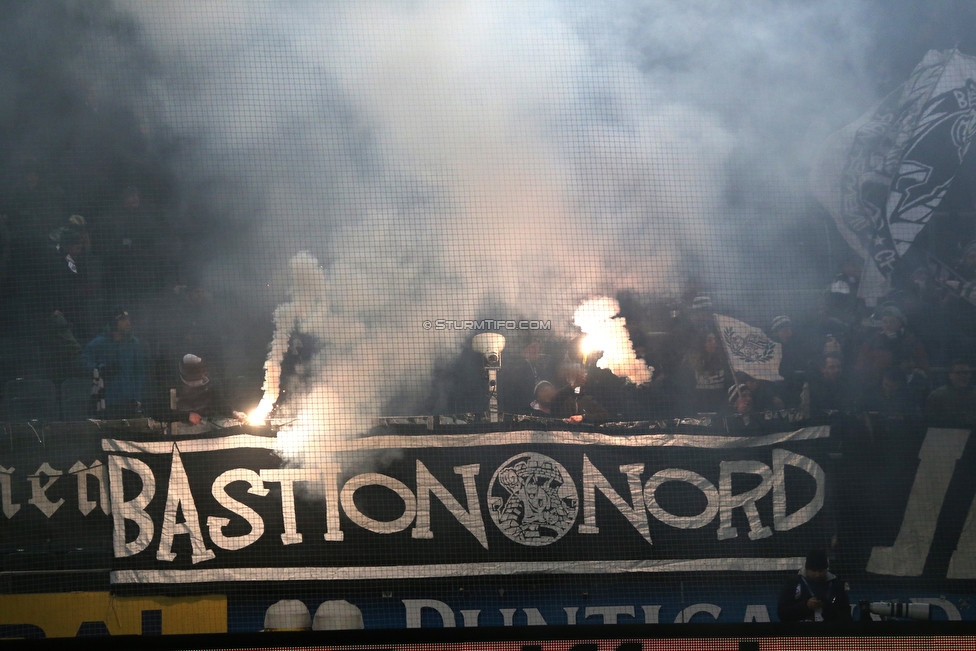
(197, 396)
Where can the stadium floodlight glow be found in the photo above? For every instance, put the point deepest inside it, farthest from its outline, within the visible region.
(491, 345)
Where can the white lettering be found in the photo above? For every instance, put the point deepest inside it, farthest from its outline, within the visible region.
(651, 614)
(83, 472)
(179, 498)
(747, 500)
(781, 459)
(215, 524)
(685, 615)
(594, 480)
(938, 455)
(39, 492)
(135, 509)
(950, 609)
(9, 508)
(679, 521)
(756, 613)
(962, 565)
(414, 608)
(533, 617)
(287, 478)
(608, 613)
(471, 517)
(570, 615)
(333, 530)
(347, 499)
(508, 615)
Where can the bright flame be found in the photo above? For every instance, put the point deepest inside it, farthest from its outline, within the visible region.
(593, 343)
(307, 292)
(323, 420)
(260, 413)
(595, 318)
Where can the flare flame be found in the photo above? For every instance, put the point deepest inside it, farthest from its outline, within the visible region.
(595, 318)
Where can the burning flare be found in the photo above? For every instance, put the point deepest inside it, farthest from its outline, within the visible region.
(307, 295)
(595, 318)
(260, 414)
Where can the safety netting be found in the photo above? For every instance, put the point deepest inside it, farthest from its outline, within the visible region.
(473, 314)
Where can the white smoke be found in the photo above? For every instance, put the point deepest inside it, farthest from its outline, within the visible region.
(484, 159)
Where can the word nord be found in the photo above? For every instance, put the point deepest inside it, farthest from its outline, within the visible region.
(530, 498)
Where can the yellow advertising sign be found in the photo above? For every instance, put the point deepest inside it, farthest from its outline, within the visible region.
(67, 615)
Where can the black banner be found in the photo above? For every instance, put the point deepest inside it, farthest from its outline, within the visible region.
(890, 497)
(455, 505)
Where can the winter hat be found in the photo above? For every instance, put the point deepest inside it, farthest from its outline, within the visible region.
(780, 322)
(193, 371)
(735, 391)
(539, 385)
(817, 560)
(702, 303)
(117, 313)
(894, 312)
(840, 287)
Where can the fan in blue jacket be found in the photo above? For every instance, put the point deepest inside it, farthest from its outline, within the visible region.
(120, 360)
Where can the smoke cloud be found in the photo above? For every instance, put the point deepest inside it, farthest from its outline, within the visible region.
(461, 160)
(378, 164)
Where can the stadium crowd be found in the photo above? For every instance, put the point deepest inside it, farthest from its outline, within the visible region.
(905, 358)
(69, 332)
(97, 321)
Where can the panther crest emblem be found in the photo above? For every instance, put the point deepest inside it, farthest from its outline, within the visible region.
(532, 499)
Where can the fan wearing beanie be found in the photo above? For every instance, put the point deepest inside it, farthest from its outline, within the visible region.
(814, 594)
(196, 396)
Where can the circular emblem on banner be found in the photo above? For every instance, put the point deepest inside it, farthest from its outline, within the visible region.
(532, 499)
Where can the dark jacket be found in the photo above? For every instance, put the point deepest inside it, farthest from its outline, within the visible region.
(516, 385)
(568, 403)
(798, 590)
(829, 395)
(880, 351)
(949, 401)
(901, 403)
(205, 400)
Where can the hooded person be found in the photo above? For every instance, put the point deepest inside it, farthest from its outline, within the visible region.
(814, 594)
(702, 316)
(888, 347)
(66, 282)
(572, 403)
(957, 399)
(544, 394)
(794, 362)
(518, 378)
(120, 361)
(197, 396)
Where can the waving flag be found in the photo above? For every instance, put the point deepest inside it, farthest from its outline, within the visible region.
(884, 176)
(749, 349)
